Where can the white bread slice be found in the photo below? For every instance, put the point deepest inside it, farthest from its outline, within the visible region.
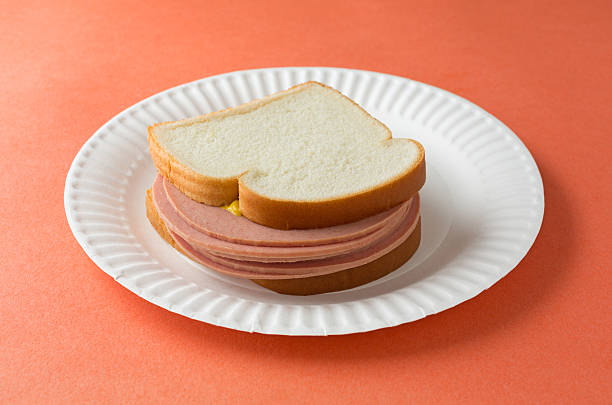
(306, 157)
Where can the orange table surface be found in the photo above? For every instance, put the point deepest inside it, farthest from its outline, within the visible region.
(70, 334)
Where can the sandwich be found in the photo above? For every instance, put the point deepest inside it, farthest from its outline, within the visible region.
(302, 191)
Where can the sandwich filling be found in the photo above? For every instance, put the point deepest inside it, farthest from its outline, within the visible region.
(233, 207)
(234, 245)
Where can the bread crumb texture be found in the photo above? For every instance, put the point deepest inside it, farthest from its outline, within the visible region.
(311, 143)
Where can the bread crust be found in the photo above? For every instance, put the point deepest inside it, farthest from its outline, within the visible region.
(341, 280)
(287, 214)
(283, 214)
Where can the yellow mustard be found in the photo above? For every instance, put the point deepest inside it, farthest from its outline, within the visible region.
(234, 208)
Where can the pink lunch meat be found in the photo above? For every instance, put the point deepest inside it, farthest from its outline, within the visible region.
(310, 268)
(201, 241)
(221, 224)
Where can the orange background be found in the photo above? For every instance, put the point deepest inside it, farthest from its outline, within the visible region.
(69, 333)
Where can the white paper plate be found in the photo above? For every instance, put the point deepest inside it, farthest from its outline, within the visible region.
(482, 207)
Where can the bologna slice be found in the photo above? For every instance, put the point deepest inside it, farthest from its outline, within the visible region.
(310, 268)
(223, 225)
(202, 241)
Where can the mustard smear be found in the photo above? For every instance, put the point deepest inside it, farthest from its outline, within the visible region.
(233, 208)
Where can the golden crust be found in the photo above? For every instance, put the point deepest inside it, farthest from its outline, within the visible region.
(341, 280)
(282, 214)
(285, 214)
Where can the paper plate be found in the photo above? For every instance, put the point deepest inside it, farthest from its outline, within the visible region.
(482, 207)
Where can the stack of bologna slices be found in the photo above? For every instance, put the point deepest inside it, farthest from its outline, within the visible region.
(327, 199)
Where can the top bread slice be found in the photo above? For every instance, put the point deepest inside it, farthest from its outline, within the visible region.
(306, 157)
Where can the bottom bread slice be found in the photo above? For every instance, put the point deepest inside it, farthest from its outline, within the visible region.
(341, 280)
